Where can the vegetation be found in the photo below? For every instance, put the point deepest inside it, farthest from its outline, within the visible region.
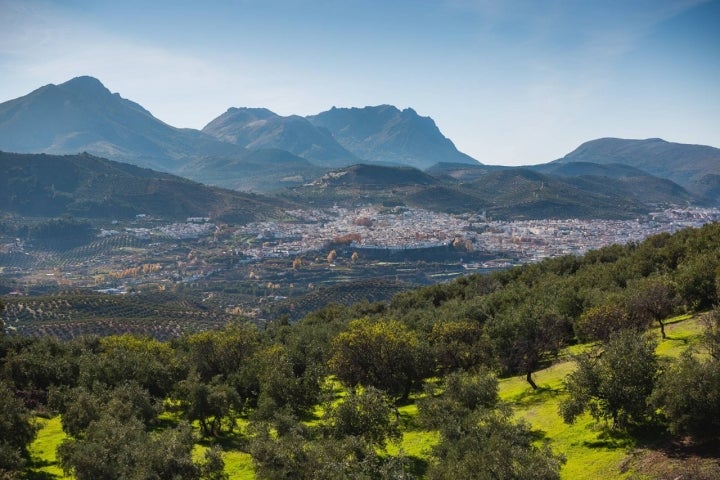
(343, 392)
(91, 187)
(516, 193)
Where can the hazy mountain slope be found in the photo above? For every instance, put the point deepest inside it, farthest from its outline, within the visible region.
(522, 193)
(517, 193)
(375, 176)
(384, 134)
(258, 128)
(577, 169)
(259, 171)
(462, 172)
(682, 163)
(92, 187)
(82, 115)
(621, 180)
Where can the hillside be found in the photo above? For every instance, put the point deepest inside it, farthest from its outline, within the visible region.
(259, 128)
(580, 367)
(377, 184)
(501, 192)
(682, 163)
(262, 171)
(38, 185)
(384, 134)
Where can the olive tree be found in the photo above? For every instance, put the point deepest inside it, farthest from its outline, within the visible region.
(613, 382)
(384, 354)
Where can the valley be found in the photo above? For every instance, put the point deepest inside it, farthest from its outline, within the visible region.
(215, 272)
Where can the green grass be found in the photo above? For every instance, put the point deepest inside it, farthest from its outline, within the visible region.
(239, 465)
(592, 450)
(44, 464)
(682, 332)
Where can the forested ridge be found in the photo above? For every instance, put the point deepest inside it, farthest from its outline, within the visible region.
(328, 396)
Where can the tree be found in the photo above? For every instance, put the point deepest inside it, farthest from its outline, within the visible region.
(459, 345)
(16, 433)
(688, 392)
(526, 335)
(696, 279)
(81, 406)
(35, 365)
(479, 440)
(711, 337)
(282, 383)
(384, 354)
(599, 323)
(613, 382)
(651, 300)
(209, 403)
(222, 352)
(123, 358)
(462, 394)
(365, 414)
(296, 453)
(112, 449)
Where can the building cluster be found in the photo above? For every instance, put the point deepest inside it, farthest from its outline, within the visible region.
(525, 241)
(534, 240)
(369, 227)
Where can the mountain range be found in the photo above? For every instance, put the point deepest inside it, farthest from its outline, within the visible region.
(505, 193)
(82, 115)
(255, 149)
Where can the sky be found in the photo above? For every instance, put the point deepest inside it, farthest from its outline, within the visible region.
(511, 82)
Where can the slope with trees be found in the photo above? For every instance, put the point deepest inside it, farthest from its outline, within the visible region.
(127, 404)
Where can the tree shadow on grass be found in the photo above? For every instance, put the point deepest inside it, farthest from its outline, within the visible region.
(531, 397)
(417, 467)
(32, 475)
(611, 439)
(32, 472)
(228, 442)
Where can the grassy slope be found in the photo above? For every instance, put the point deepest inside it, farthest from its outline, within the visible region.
(592, 452)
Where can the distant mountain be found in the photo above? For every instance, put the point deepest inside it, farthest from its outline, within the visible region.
(39, 185)
(682, 163)
(82, 115)
(384, 134)
(502, 192)
(259, 128)
(521, 193)
(623, 180)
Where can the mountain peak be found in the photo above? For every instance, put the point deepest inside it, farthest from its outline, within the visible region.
(85, 83)
(681, 163)
(384, 134)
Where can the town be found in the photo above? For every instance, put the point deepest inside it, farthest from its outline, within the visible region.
(198, 248)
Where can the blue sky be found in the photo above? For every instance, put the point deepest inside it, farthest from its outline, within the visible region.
(510, 82)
